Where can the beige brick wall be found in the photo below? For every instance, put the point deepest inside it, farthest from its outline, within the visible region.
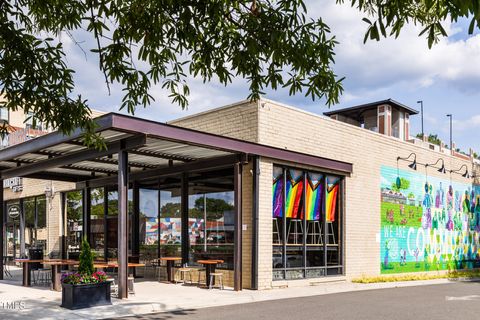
(297, 130)
(293, 129)
(236, 121)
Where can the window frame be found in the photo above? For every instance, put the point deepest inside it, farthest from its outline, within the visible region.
(340, 217)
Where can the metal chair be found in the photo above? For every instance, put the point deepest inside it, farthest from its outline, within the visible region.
(6, 267)
(183, 275)
(213, 276)
(42, 276)
(201, 274)
(113, 287)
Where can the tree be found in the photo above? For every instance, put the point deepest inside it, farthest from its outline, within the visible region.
(141, 43)
(432, 138)
(85, 265)
(387, 18)
(404, 185)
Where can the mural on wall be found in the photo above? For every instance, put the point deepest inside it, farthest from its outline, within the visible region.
(427, 223)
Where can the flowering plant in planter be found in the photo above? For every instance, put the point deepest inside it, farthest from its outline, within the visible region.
(78, 278)
(87, 287)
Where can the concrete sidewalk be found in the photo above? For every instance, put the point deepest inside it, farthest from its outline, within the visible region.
(151, 296)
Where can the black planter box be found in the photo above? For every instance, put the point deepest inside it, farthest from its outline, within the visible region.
(78, 296)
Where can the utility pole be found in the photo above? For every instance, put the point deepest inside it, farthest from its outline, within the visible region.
(421, 114)
(451, 140)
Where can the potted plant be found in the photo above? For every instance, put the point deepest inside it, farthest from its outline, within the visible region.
(85, 288)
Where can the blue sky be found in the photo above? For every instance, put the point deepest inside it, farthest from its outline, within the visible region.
(446, 77)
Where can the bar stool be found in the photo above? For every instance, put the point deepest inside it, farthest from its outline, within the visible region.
(42, 276)
(183, 275)
(113, 287)
(201, 274)
(131, 285)
(213, 276)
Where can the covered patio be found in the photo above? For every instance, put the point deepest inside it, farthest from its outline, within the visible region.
(157, 190)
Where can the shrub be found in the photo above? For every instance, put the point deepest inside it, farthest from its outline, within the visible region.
(86, 259)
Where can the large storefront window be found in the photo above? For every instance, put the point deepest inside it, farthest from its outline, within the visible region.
(74, 223)
(170, 222)
(112, 225)
(306, 224)
(97, 222)
(13, 233)
(211, 218)
(148, 224)
(35, 213)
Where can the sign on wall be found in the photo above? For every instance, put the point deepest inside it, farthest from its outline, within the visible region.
(427, 223)
(14, 211)
(16, 184)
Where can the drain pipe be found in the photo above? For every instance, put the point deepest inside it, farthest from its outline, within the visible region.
(255, 217)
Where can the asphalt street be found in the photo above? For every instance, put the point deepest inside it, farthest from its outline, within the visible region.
(460, 300)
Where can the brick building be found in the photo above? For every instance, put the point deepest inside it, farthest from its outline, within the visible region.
(327, 197)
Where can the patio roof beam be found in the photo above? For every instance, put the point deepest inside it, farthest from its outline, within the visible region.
(73, 157)
(102, 160)
(55, 176)
(73, 167)
(52, 139)
(166, 171)
(161, 155)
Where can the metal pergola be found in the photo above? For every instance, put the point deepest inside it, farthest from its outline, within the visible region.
(139, 149)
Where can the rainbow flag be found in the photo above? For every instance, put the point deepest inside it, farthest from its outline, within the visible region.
(277, 191)
(331, 197)
(294, 195)
(314, 196)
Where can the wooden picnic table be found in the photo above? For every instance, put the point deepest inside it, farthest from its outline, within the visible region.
(210, 265)
(170, 263)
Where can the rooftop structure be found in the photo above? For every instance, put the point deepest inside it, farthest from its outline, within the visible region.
(387, 117)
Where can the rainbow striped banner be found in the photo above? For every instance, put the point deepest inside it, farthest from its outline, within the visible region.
(314, 196)
(331, 198)
(294, 195)
(277, 191)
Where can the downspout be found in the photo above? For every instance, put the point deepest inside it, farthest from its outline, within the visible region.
(255, 222)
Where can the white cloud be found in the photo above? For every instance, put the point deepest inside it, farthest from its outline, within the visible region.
(406, 60)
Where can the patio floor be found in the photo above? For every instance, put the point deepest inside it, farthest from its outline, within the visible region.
(152, 296)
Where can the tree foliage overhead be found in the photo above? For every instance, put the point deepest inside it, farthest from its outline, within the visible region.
(141, 43)
(387, 18)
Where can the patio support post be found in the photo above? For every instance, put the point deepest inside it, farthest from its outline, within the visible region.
(22, 230)
(63, 199)
(122, 224)
(237, 255)
(136, 222)
(2, 230)
(105, 223)
(184, 215)
(86, 204)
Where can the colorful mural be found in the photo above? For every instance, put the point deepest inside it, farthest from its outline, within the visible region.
(427, 223)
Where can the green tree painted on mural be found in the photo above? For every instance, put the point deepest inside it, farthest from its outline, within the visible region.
(404, 185)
